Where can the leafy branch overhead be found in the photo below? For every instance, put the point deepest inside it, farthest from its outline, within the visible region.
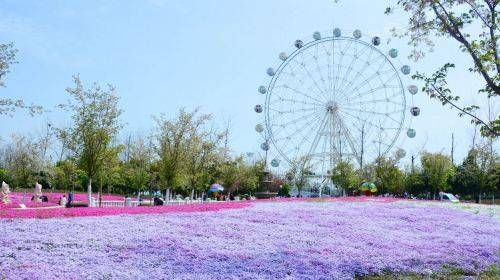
(436, 87)
(8, 105)
(474, 25)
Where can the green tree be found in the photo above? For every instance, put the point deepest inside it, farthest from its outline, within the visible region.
(493, 177)
(436, 171)
(172, 143)
(65, 172)
(457, 21)
(203, 149)
(389, 178)
(299, 172)
(95, 124)
(4, 176)
(284, 191)
(240, 177)
(23, 161)
(111, 173)
(345, 176)
(476, 174)
(137, 163)
(413, 183)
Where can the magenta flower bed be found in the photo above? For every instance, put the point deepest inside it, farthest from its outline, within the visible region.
(287, 240)
(17, 198)
(41, 213)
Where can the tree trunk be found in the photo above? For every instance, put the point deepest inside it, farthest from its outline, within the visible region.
(100, 193)
(89, 191)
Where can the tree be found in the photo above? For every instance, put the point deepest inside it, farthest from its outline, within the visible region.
(436, 171)
(65, 174)
(413, 183)
(477, 174)
(23, 161)
(239, 177)
(7, 105)
(111, 172)
(299, 171)
(95, 123)
(203, 149)
(172, 144)
(138, 158)
(456, 20)
(388, 177)
(493, 177)
(345, 176)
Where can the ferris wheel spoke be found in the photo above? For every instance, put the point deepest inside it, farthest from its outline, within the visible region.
(318, 68)
(330, 74)
(372, 112)
(302, 65)
(296, 120)
(375, 74)
(361, 120)
(359, 74)
(292, 74)
(292, 111)
(349, 69)
(312, 125)
(289, 135)
(299, 101)
(393, 119)
(384, 100)
(303, 94)
(362, 94)
(333, 71)
(342, 52)
(370, 62)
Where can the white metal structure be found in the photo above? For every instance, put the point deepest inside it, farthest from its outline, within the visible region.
(335, 97)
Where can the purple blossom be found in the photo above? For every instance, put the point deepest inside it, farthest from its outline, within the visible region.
(294, 240)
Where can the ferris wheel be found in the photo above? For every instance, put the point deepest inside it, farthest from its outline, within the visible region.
(335, 98)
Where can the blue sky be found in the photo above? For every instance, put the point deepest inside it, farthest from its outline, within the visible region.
(164, 55)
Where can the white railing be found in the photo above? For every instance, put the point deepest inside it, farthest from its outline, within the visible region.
(112, 203)
(135, 203)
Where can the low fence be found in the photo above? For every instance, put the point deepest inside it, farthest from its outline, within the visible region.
(134, 203)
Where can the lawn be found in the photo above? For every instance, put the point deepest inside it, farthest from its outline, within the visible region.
(326, 239)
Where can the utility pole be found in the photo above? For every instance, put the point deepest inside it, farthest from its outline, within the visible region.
(452, 148)
(362, 146)
(412, 164)
(340, 146)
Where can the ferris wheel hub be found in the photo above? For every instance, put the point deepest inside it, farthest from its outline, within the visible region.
(332, 106)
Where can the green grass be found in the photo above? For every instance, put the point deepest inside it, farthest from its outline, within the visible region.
(492, 273)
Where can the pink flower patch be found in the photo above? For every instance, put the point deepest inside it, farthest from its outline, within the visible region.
(41, 213)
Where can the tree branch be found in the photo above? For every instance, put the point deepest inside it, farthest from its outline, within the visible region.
(474, 8)
(447, 100)
(493, 38)
(454, 31)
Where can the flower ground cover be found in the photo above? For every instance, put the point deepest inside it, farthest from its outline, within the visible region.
(18, 198)
(45, 213)
(294, 240)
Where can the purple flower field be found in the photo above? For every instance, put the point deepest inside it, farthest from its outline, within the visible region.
(288, 240)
